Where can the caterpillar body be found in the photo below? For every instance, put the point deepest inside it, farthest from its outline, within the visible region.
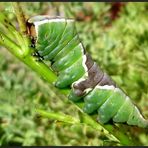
(56, 40)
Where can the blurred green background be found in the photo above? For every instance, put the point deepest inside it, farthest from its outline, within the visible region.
(115, 34)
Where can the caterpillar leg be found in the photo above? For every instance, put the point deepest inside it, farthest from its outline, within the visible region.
(37, 55)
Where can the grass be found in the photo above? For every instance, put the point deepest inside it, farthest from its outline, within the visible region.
(119, 46)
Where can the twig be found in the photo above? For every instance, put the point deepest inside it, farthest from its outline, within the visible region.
(20, 17)
(58, 116)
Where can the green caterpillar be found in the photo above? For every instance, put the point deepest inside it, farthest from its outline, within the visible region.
(56, 40)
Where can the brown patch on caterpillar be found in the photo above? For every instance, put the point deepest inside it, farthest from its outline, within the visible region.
(89, 62)
(31, 29)
(32, 33)
(106, 80)
(95, 76)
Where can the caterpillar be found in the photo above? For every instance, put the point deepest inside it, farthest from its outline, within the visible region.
(55, 39)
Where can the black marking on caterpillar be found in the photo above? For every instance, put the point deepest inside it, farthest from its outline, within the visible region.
(95, 77)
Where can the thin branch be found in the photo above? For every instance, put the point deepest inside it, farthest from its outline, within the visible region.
(22, 24)
(20, 17)
(58, 116)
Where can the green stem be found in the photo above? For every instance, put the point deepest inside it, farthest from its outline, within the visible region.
(69, 119)
(10, 45)
(39, 67)
(124, 138)
(58, 116)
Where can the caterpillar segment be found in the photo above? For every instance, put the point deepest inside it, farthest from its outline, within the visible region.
(56, 40)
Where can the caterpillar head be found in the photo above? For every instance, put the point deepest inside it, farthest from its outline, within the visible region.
(35, 21)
